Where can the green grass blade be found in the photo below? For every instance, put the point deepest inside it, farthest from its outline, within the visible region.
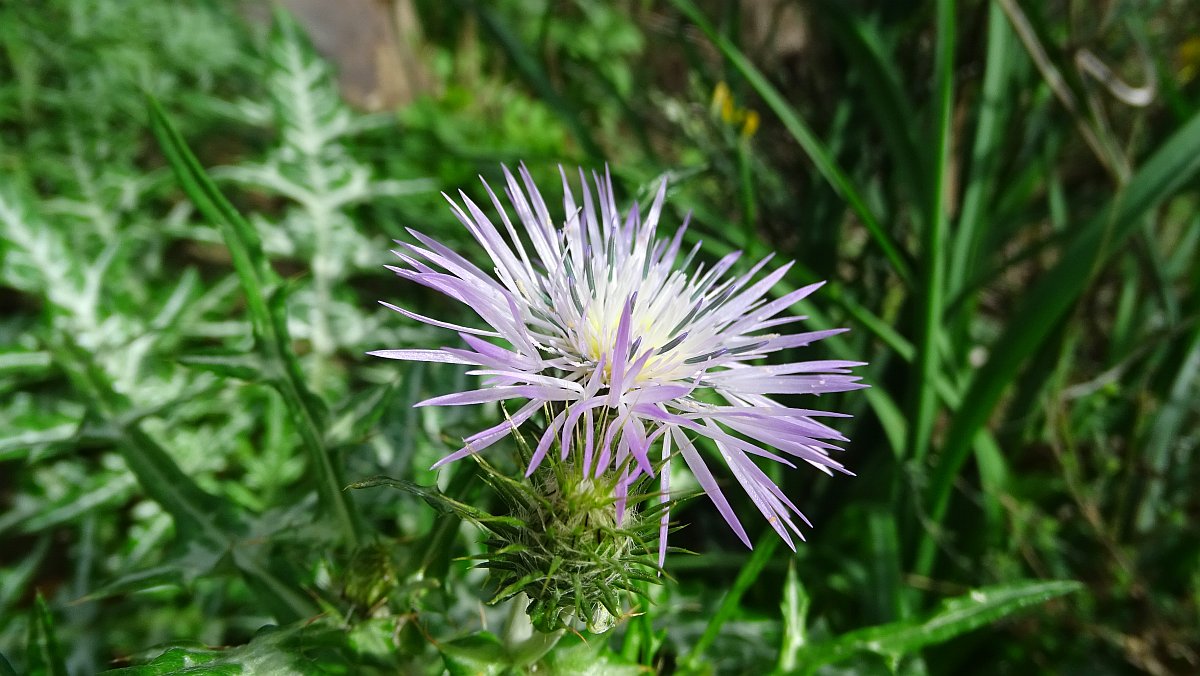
(45, 654)
(749, 198)
(267, 314)
(1181, 259)
(931, 288)
(1175, 162)
(885, 594)
(885, 96)
(994, 109)
(1164, 432)
(817, 152)
(993, 479)
(729, 605)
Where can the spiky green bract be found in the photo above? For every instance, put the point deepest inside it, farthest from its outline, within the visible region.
(370, 576)
(575, 559)
(560, 543)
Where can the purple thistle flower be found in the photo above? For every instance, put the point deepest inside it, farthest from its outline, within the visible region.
(603, 322)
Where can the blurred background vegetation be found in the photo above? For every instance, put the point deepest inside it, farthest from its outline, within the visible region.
(1001, 194)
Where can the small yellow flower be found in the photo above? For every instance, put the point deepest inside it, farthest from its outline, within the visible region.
(750, 123)
(724, 107)
(722, 99)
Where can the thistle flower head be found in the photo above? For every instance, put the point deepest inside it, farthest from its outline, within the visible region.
(627, 344)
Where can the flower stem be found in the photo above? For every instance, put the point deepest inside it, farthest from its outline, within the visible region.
(526, 644)
(535, 647)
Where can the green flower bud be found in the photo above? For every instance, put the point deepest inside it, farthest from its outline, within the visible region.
(572, 554)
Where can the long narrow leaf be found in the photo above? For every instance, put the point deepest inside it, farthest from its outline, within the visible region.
(820, 155)
(45, 653)
(265, 305)
(795, 620)
(956, 616)
(931, 289)
(886, 99)
(729, 605)
(1175, 162)
(1163, 434)
(985, 156)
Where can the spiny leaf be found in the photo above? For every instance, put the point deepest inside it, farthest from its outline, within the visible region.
(157, 472)
(955, 616)
(308, 647)
(795, 619)
(439, 501)
(195, 511)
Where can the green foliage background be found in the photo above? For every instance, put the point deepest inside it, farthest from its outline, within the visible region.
(1011, 235)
